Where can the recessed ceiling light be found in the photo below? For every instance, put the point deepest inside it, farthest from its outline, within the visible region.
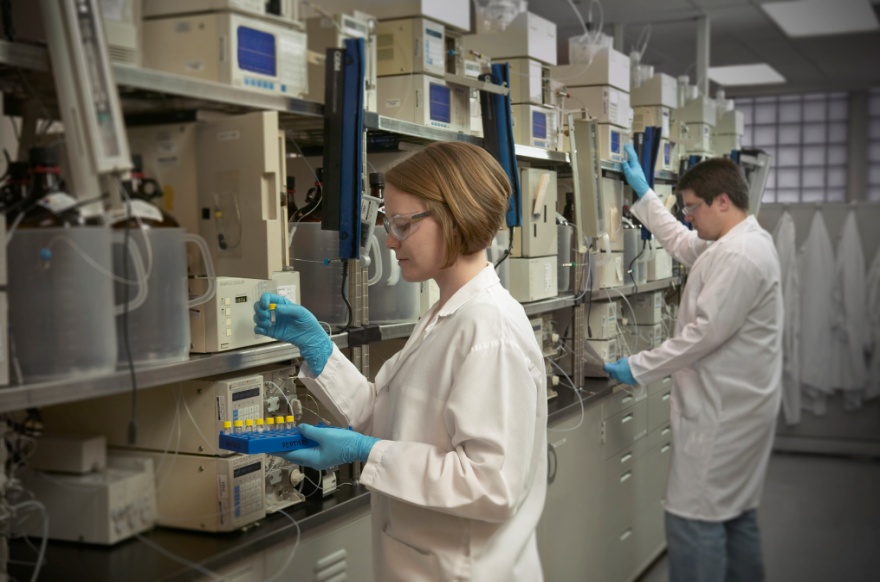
(822, 17)
(756, 74)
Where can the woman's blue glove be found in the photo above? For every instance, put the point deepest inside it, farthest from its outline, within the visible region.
(296, 325)
(336, 446)
(620, 371)
(632, 169)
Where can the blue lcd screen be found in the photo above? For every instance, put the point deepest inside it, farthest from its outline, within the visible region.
(439, 103)
(615, 142)
(539, 125)
(256, 51)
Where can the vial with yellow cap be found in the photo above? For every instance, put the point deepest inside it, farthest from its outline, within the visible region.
(259, 425)
(239, 427)
(249, 425)
(288, 421)
(272, 307)
(270, 423)
(227, 427)
(279, 422)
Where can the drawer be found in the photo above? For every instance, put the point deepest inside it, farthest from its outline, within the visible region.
(621, 472)
(620, 553)
(652, 476)
(649, 534)
(660, 386)
(658, 408)
(621, 400)
(624, 428)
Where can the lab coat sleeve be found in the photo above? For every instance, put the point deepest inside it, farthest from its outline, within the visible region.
(722, 306)
(492, 422)
(341, 387)
(683, 244)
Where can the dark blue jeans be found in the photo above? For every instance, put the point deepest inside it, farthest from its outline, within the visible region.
(714, 551)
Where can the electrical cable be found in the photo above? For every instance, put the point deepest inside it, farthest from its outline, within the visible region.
(45, 539)
(632, 262)
(126, 343)
(577, 392)
(345, 297)
(172, 556)
(286, 564)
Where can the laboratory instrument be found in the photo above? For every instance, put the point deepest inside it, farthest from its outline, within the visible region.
(226, 47)
(102, 507)
(326, 32)
(527, 36)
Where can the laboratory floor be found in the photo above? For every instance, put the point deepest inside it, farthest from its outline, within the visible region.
(820, 520)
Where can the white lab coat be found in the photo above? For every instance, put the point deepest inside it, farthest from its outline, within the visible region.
(459, 481)
(850, 324)
(786, 248)
(873, 312)
(725, 359)
(816, 266)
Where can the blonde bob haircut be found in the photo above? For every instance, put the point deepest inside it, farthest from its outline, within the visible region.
(464, 188)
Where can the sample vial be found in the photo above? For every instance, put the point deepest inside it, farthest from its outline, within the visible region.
(272, 307)
(227, 427)
(249, 425)
(279, 422)
(239, 427)
(270, 423)
(259, 425)
(288, 421)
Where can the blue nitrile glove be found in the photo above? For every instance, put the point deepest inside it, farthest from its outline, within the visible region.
(632, 169)
(296, 325)
(335, 447)
(620, 371)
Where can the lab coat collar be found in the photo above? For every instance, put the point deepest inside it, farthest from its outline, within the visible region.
(482, 281)
(750, 223)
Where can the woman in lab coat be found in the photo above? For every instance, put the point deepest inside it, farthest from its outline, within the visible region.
(725, 360)
(456, 457)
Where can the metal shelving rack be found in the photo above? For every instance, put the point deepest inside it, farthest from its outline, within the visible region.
(178, 92)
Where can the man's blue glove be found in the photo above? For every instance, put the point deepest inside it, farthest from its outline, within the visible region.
(633, 172)
(296, 325)
(620, 371)
(335, 447)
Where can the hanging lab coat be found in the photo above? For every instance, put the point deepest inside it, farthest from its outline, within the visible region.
(850, 325)
(459, 480)
(786, 248)
(872, 287)
(725, 359)
(816, 266)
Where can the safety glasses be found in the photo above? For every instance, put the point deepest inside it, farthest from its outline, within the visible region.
(689, 210)
(400, 226)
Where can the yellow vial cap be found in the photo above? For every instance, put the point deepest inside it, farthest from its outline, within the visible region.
(249, 422)
(270, 420)
(238, 423)
(259, 422)
(227, 424)
(279, 420)
(272, 306)
(289, 418)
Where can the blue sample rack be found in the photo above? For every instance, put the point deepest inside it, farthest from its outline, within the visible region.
(268, 441)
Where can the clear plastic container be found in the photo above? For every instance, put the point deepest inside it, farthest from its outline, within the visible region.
(159, 331)
(61, 307)
(321, 286)
(632, 246)
(392, 300)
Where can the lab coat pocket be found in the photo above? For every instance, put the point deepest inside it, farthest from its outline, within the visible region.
(687, 396)
(405, 563)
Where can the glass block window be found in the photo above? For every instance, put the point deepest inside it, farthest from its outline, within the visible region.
(807, 137)
(874, 146)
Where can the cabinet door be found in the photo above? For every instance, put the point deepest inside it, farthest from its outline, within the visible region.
(570, 534)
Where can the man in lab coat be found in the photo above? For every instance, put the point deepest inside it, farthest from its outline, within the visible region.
(725, 359)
